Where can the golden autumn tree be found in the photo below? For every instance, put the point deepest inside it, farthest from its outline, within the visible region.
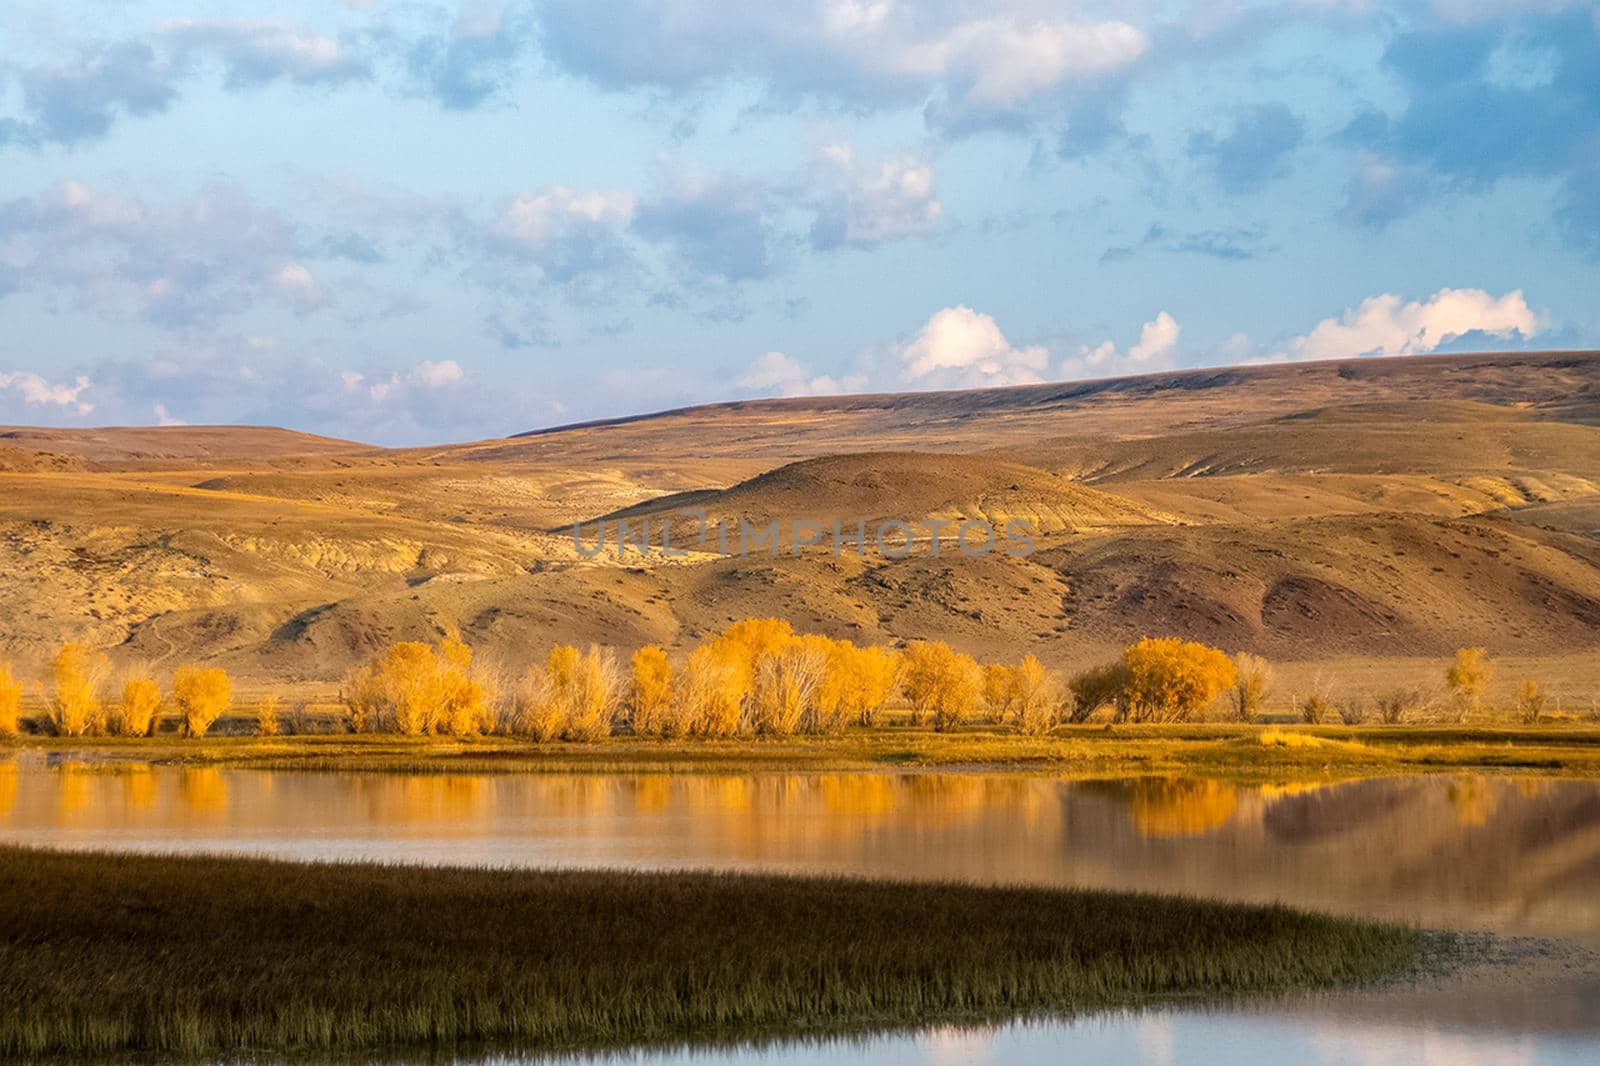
(998, 691)
(650, 695)
(1468, 677)
(136, 711)
(1034, 694)
(712, 688)
(586, 687)
(267, 717)
(10, 702)
(75, 708)
(202, 696)
(942, 685)
(1171, 680)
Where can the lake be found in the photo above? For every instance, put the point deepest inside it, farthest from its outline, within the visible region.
(1515, 856)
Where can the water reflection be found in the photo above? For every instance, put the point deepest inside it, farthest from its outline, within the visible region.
(1514, 856)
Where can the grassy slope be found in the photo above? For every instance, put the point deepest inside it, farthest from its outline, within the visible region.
(106, 953)
(1236, 752)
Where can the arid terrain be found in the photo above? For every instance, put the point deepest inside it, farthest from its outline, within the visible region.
(1354, 518)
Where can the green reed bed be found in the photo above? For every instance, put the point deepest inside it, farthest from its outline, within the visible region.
(112, 953)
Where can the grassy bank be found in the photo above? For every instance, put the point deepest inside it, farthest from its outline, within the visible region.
(102, 954)
(1235, 752)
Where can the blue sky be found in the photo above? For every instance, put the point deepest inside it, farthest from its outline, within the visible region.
(407, 222)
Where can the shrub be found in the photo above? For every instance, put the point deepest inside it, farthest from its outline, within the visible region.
(1314, 710)
(1396, 704)
(1099, 687)
(1467, 678)
(267, 717)
(1530, 701)
(201, 697)
(75, 707)
(650, 699)
(943, 685)
(1252, 676)
(1170, 679)
(10, 702)
(136, 712)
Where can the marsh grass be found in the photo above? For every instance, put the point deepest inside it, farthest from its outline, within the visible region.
(1241, 753)
(108, 954)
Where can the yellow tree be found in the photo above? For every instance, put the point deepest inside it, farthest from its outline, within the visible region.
(1468, 678)
(10, 702)
(1171, 679)
(586, 686)
(651, 694)
(1034, 696)
(942, 685)
(712, 688)
(201, 696)
(998, 690)
(75, 707)
(136, 712)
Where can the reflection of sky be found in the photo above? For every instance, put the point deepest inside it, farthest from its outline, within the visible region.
(1176, 1038)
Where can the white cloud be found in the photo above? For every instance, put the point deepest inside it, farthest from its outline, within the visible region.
(1386, 325)
(441, 374)
(1155, 349)
(37, 392)
(777, 373)
(959, 347)
(874, 201)
(1157, 338)
(553, 211)
(163, 418)
(973, 64)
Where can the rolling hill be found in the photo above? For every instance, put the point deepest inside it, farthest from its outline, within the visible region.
(1378, 508)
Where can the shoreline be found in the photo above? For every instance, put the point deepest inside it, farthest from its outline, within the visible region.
(1241, 753)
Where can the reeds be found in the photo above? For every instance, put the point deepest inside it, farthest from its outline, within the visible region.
(105, 955)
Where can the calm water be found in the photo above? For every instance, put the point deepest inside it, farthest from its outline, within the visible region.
(1466, 852)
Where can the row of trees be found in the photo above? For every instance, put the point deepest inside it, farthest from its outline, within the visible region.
(83, 699)
(759, 676)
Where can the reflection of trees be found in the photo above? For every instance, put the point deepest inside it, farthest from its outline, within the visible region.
(1169, 807)
(139, 786)
(1472, 800)
(74, 787)
(8, 786)
(203, 789)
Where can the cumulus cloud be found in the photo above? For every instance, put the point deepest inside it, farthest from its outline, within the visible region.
(962, 348)
(870, 202)
(36, 391)
(179, 264)
(1388, 325)
(1156, 349)
(970, 67)
(776, 374)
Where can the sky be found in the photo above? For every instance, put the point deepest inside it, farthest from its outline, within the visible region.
(410, 222)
